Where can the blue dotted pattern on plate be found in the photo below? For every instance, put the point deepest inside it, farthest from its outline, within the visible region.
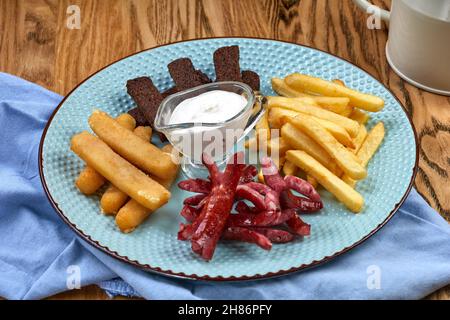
(155, 242)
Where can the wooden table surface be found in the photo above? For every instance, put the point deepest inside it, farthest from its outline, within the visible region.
(35, 44)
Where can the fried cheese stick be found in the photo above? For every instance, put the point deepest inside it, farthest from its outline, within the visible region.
(129, 146)
(126, 177)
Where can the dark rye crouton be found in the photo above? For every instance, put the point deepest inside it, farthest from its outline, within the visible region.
(251, 78)
(226, 63)
(169, 91)
(184, 74)
(146, 96)
(137, 115)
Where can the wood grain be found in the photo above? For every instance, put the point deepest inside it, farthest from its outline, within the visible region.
(36, 45)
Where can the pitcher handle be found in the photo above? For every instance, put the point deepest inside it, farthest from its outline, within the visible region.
(366, 6)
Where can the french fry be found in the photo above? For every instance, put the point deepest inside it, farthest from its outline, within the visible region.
(277, 146)
(344, 158)
(312, 181)
(292, 104)
(126, 177)
(343, 192)
(299, 140)
(276, 117)
(359, 139)
(289, 169)
(359, 116)
(327, 88)
(281, 88)
(338, 105)
(279, 162)
(260, 176)
(263, 130)
(339, 82)
(251, 143)
(279, 118)
(371, 144)
(89, 181)
(126, 121)
(336, 131)
(128, 145)
(368, 149)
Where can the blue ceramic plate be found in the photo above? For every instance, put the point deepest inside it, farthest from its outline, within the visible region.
(154, 245)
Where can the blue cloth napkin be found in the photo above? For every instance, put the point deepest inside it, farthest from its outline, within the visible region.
(39, 255)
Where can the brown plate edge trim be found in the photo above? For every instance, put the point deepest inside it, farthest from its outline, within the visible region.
(181, 275)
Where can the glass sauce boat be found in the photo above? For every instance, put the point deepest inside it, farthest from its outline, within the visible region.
(219, 140)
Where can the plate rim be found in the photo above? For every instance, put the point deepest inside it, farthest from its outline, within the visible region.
(181, 275)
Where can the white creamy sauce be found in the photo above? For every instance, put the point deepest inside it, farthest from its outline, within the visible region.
(209, 107)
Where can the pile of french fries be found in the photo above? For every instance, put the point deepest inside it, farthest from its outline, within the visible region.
(323, 136)
(139, 173)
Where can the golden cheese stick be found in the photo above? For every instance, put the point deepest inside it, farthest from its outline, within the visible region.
(291, 104)
(338, 105)
(368, 149)
(144, 133)
(89, 181)
(345, 159)
(299, 140)
(132, 214)
(126, 177)
(167, 181)
(327, 88)
(126, 121)
(343, 192)
(128, 145)
(112, 200)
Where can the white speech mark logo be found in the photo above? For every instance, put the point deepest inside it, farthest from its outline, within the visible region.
(374, 19)
(74, 19)
(73, 277)
(373, 277)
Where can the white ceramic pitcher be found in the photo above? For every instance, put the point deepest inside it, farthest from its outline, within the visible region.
(418, 49)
